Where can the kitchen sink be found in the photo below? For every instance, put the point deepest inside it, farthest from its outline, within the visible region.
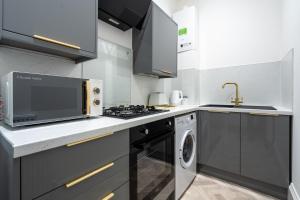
(241, 106)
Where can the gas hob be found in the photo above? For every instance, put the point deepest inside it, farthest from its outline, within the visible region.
(132, 111)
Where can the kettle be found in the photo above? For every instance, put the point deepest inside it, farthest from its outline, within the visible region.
(176, 97)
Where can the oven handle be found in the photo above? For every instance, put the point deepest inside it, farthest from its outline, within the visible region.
(146, 144)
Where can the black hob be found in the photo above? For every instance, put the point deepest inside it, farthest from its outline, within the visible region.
(129, 112)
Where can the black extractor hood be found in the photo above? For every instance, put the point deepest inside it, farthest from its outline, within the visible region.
(123, 14)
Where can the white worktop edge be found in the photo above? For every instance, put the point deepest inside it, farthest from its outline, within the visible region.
(26, 141)
(278, 111)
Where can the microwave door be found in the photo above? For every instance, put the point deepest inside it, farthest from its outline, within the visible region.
(40, 98)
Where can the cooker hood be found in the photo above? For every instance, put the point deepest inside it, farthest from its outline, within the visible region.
(123, 14)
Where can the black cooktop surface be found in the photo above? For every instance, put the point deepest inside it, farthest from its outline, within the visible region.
(132, 111)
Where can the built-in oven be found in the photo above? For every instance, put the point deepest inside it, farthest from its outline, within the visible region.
(152, 172)
(34, 98)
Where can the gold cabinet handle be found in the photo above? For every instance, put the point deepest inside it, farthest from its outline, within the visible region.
(89, 139)
(264, 114)
(108, 197)
(218, 111)
(56, 41)
(165, 71)
(89, 175)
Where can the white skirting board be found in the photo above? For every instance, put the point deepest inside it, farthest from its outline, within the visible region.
(293, 194)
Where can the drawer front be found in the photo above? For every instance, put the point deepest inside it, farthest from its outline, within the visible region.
(121, 193)
(95, 188)
(45, 171)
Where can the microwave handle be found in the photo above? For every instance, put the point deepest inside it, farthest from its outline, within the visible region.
(7, 102)
(88, 97)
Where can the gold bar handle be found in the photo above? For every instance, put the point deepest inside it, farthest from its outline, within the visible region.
(56, 42)
(89, 175)
(264, 114)
(108, 197)
(89, 139)
(165, 71)
(218, 111)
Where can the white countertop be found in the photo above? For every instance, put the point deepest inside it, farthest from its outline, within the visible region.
(26, 141)
(29, 140)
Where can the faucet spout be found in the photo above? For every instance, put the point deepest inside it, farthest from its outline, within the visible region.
(237, 100)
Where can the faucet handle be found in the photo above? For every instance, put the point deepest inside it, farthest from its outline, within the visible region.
(242, 100)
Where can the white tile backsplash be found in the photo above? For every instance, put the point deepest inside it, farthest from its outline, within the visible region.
(287, 79)
(142, 86)
(188, 80)
(12, 59)
(260, 84)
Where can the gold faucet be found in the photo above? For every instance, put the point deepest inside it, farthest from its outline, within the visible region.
(237, 100)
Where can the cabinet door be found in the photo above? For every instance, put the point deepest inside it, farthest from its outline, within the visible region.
(44, 171)
(68, 21)
(265, 148)
(164, 49)
(219, 141)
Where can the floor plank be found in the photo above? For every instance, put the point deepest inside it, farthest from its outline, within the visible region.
(210, 188)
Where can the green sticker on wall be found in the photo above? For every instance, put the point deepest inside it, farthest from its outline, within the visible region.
(182, 31)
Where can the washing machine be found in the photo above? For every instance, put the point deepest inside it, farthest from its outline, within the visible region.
(185, 152)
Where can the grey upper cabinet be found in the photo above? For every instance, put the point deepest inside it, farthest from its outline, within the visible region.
(62, 27)
(219, 142)
(155, 45)
(266, 148)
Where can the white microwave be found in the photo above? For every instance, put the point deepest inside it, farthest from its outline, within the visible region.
(35, 98)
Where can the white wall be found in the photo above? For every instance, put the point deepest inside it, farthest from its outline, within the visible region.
(239, 32)
(167, 5)
(291, 39)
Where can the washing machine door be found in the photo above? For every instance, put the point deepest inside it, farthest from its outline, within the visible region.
(187, 149)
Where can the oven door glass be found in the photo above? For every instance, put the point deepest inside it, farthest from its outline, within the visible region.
(46, 98)
(152, 176)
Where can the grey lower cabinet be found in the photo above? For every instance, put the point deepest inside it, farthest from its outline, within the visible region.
(66, 28)
(155, 45)
(90, 169)
(250, 149)
(265, 153)
(220, 141)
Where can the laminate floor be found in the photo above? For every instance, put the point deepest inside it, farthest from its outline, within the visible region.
(209, 188)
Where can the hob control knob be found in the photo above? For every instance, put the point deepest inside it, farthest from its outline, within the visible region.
(96, 102)
(169, 123)
(96, 90)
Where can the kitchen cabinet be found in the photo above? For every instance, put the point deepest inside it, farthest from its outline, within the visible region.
(88, 169)
(219, 141)
(249, 149)
(265, 152)
(155, 45)
(66, 28)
